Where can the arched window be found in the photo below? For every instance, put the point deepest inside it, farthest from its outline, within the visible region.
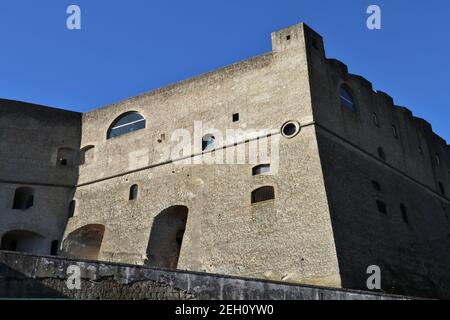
(66, 157)
(86, 155)
(23, 198)
(381, 153)
(263, 194)
(133, 192)
(24, 241)
(72, 206)
(126, 123)
(346, 98)
(208, 142)
(261, 169)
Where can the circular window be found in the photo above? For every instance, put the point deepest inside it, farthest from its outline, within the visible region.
(290, 129)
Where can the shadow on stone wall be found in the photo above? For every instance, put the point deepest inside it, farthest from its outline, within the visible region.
(14, 284)
(31, 276)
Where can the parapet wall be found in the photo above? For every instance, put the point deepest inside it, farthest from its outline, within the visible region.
(30, 276)
(377, 123)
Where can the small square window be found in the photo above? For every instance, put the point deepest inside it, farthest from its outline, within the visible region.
(288, 37)
(235, 117)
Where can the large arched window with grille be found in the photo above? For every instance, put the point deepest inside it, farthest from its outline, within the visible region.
(126, 123)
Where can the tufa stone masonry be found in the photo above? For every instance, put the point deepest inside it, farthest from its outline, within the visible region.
(359, 180)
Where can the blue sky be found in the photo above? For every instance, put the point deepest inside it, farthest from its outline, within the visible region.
(129, 47)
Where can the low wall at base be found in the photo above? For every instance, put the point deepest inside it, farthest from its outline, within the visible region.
(30, 276)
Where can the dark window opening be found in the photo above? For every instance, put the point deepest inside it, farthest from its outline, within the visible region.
(288, 37)
(54, 248)
(72, 206)
(404, 212)
(235, 117)
(133, 192)
(381, 153)
(376, 185)
(381, 207)
(126, 123)
(346, 98)
(23, 198)
(261, 169)
(263, 194)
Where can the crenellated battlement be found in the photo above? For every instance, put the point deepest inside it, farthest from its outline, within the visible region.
(409, 142)
(342, 69)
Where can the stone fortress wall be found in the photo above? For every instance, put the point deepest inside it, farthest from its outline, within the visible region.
(324, 226)
(380, 154)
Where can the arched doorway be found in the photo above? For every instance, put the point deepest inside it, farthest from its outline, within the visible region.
(166, 237)
(24, 241)
(84, 243)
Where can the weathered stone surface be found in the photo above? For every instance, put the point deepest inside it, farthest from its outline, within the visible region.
(29, 276)
(322, 228)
